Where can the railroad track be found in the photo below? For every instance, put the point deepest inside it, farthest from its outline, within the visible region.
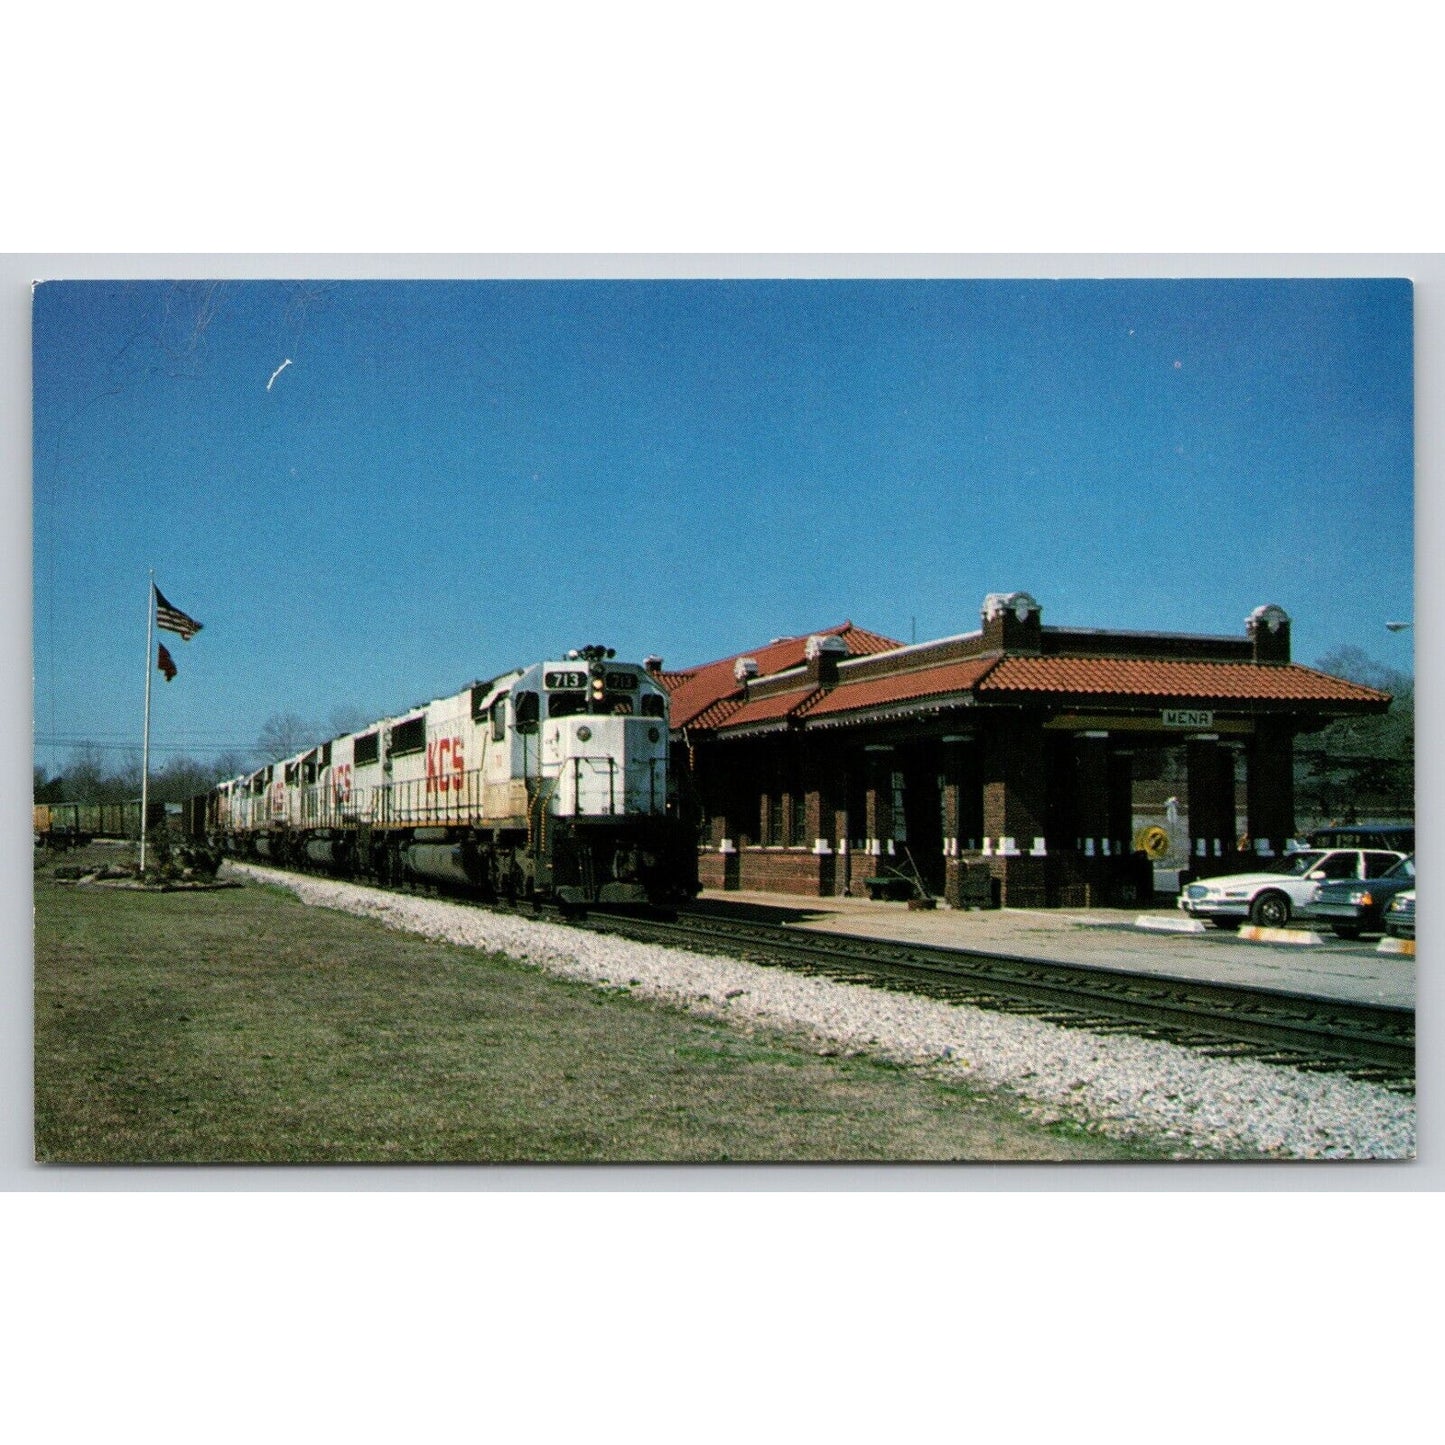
(1361, 1040)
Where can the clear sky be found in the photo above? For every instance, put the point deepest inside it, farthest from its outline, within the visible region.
(452, 478)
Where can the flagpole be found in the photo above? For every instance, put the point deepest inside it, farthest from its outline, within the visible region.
(145, 750)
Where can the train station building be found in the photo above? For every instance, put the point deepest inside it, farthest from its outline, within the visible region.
(996, 766)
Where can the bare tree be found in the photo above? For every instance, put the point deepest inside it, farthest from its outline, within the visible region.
(48, 789)
(181, 778)
(347, 720)
(85, 775)
(228, 765)
(283, 734)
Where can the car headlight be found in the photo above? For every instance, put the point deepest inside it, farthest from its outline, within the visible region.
(1362, 895)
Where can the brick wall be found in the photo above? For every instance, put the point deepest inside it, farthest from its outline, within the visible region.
(771, 870)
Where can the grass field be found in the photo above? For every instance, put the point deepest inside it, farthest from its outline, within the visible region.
(241, 1026)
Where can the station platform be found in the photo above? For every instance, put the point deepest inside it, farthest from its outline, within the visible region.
(1103, 938)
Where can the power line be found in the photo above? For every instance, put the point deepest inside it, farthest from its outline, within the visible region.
(52, 742)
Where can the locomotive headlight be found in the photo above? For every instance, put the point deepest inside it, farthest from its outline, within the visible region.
(584, 733)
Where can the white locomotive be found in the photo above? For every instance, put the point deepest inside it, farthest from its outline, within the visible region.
(549, 781)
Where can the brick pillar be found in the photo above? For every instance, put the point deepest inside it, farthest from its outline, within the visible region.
(843, 825)
(1013, 808)
(878, 801)
(1210, 771)
(818, 815)
(1269, 786)
(962, 814)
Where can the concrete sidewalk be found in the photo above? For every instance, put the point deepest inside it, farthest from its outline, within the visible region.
(1104, 938)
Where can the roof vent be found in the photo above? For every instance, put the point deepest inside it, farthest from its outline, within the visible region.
(744, 668)
(653, 663)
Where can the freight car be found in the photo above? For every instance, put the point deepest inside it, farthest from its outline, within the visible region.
(68, 825)
(550, 781)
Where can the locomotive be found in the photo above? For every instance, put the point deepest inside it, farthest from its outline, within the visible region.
(548, 782)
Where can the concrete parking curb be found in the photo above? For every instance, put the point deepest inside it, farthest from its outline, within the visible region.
(1168, 925)
(1252, 933)
(1396, 945)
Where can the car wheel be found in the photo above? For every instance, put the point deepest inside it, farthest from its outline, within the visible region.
(1348, 930)
(1270, 910)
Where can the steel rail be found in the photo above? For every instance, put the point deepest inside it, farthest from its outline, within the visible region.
(1366, 1041)
(1370, 1041)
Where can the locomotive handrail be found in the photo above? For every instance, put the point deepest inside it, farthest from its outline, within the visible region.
(510, 814)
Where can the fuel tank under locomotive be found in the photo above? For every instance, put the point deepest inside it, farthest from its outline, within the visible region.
(332, 853)
(456, 863)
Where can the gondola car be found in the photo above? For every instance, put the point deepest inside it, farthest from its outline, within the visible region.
(550, 781)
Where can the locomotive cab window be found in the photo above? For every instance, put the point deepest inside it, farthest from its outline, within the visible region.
(653, 704)
(499, 718)
(528, 710)
(566, 704)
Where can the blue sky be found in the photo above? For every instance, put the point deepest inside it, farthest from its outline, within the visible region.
(452, 478)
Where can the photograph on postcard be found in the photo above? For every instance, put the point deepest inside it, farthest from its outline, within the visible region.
(677, 720)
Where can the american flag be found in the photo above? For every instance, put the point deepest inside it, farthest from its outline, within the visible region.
(166, 662)
(173, 619)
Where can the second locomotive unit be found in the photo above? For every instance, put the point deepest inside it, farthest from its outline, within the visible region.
(550, 781)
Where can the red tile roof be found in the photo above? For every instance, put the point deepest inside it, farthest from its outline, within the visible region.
(710, 697)
(902, 687)
(695, 692)
(1138, 677)
(767, 709)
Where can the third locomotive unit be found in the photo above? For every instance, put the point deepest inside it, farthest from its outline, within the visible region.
(550, 781)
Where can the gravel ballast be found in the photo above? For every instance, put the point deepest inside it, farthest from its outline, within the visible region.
(1116, 1085)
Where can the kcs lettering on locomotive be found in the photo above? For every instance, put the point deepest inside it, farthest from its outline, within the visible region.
(445, 765)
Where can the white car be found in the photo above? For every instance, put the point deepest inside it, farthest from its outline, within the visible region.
(1279, 890)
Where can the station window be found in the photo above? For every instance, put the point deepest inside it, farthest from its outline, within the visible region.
(774, 832)
(798, 830)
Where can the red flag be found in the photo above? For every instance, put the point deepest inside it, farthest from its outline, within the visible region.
(166, 663)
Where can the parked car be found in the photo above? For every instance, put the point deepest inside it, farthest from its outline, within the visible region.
(1356, 906)
(1272, 895)
(1397, 836)
(1400, 915)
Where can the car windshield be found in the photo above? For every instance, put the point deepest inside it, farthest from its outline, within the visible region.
(1294, 865)
(1405, 868)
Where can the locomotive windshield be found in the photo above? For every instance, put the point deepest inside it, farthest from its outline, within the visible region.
(566, 704)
